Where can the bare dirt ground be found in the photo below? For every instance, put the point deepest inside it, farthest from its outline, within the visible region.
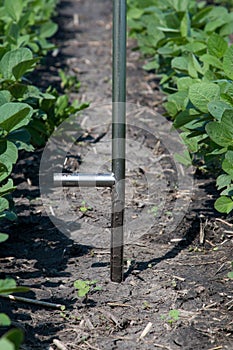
(184, 269)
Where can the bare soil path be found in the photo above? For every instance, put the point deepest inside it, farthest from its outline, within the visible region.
(183, 270)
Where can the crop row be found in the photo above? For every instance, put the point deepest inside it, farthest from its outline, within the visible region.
(28, 115)
(187, 43)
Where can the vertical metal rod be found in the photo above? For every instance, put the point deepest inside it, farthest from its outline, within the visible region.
(118, 138)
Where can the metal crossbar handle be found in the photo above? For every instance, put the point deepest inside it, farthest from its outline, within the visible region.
(84, 180)
(116, 180)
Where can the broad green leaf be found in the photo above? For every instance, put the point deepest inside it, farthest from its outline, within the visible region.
(216, 45)
(15, 336)
(4, 204)
(213, 25)
(228, 62)
(21, 138)
(7, 188)
(3, 144)
(6, 344)
(183, 118)
(184, 158)
(8, 283)
(180, 63)
(218, 151)
(79, 284)
(151, 65)
(228, 191)
(179, 5)
(224, 204)
(8, 158)
(211, 60)
(220, 134)
(201, 94)
(21, 68)
(135, 13)
(5, 97)
(8, 286)
(195, 47)
(14, 115)
(14, 8)
(3, 237)
(84, 291)
(4, 320)
(223, 181)
(3, 171)
(48, 29)
(229, 156)
(9, 215)
(230, 274)
(227, 167)
(194, 66)
(185, 25)
(11, 59)
(217, 108)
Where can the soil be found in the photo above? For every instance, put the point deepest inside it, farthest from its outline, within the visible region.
(183, 268)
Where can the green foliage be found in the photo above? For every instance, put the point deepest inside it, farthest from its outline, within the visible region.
(28, 115)
(85, 287)
(173, 316)
(230, 274)
(187, 44)
(13, 338)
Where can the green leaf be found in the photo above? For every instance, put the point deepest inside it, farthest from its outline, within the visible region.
(185, 25)
(11, 59)
(151, 65)
(201, 94)
(21, 68)
(223, 181)
(185, 82)
(8, 286)
(195, 47)
(7, 188)
(6, 344)
(183, 118)
(227, 167)
(15, 336)
(5, 97)
(230, 274)
(174, 314)
(229, 157)
(84, 291)
(212, 61)
(48, 29)
(8, 283)
(7, 159)
(4, 204)
(4, 320)
(220, 134)
(3, 237)
(228, 62)
(228, 191)
(184, 158)
(194, 66)
(224, 204)
(21, 138)
(180, 63)
(216, 45)
(217, 108)
(14, 8)
(14, 115)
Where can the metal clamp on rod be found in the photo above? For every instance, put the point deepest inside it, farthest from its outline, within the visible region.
(84, 180)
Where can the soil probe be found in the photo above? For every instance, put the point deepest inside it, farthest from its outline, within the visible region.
(116, 180)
